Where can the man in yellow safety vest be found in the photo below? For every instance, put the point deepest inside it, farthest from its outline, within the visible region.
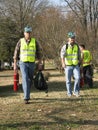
(70, 59)
(27, 49)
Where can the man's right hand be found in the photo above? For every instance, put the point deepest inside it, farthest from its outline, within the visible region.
(63, 65)
(15, 68)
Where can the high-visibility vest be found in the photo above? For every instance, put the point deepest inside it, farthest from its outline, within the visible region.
(71, 57)
(87, 57)
(27, 51)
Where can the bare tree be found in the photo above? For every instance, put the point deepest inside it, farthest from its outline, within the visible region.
(23, 11)
(86, 12)
(51, 33)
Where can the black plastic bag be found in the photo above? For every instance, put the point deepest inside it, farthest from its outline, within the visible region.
(39, 81)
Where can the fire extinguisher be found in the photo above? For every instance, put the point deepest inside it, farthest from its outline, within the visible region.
(16, 81)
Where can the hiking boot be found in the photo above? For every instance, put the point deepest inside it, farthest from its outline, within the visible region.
(26, 101)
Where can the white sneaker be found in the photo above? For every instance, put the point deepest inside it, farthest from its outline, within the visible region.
(69, 95)
(77, 95)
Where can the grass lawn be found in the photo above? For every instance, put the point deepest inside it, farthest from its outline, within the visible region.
(54, 111)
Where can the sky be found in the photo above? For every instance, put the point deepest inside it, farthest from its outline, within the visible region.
(57, 2)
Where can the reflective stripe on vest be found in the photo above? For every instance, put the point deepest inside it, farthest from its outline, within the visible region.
(71, 57)
(86, 57)
(27, 51)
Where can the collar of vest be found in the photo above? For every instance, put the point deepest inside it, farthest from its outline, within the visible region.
(27, 41)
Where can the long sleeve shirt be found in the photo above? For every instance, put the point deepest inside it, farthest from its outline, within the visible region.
(17, 50)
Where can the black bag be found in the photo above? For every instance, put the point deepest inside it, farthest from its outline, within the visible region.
(39, 81)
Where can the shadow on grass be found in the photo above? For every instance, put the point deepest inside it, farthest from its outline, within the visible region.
(56, 75)
(3, 76)
(61, 86)
(52, 87)
(81, 98)
(56, 121)
(55, 86)
(7, 91)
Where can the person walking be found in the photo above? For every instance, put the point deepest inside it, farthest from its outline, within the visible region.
(70, 60)
(86, 65)
(26, 51)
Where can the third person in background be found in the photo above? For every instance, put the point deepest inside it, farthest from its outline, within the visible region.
(86, 63)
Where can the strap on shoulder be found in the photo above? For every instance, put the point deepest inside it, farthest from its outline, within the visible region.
(66, 46)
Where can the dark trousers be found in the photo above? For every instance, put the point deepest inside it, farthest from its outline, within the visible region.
(88, 73)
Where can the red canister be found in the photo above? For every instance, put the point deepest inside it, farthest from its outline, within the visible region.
(16, 82)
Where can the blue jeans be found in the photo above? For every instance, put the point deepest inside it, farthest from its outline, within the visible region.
(27, 71)
(75, 72)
